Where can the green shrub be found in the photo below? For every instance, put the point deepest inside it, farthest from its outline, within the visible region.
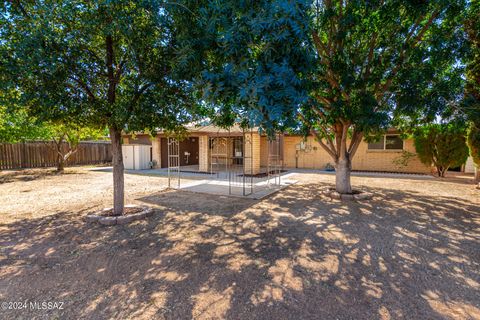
(473, 141)
(443, 145)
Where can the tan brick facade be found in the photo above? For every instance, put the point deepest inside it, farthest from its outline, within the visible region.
(384, 160)
(157, 152)
(252, 146)
(311, 157)
(263, 151)
(315, 157)
(203, 154)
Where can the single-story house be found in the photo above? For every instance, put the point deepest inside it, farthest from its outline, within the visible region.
(200, 150)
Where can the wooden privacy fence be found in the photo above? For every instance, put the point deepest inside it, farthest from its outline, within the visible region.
(43, 154)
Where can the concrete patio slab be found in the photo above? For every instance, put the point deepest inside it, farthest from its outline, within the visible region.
(258, 191)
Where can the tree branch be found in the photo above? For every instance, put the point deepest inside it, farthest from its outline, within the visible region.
(323, 54)
(331, 150)
(22, 9)
(324, 128)
(332, 153)
(85, 87)
(356, 140)
(401, 59)
(343, 141)
(136, 97)
(119, 71)
(110, 60)
(370, 56)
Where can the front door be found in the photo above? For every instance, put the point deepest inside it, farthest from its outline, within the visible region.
(189, 151)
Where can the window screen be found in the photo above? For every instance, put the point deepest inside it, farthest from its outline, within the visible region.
(376, 145)
(393, 142)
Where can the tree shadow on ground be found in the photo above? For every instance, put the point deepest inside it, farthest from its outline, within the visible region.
(295, 255)
(31, 174)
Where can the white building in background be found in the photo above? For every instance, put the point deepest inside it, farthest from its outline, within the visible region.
(136, 157)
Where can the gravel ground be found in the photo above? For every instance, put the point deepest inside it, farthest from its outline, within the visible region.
(412, 252)
(39, 192)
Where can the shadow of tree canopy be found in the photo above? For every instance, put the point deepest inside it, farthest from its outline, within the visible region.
(31, 174)
(295, 255)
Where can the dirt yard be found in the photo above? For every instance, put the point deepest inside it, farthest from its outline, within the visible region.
(413, 252)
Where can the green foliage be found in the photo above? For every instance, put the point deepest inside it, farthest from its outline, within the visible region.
(70, 134)
(441, 145)
(472, 89)
(471, 105)
(473, 141)
(96, 63)
(254, 57)
(383, 63)
(17, 126)
(74, 134)
(356, 64)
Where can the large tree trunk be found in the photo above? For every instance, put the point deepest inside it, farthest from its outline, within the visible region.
(118, 179)
(340, 150)
(343, 168)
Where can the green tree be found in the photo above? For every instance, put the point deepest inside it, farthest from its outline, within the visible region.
(66, 139)
(473, 141)
(377, 62)
(98, 63)
(442, 145)
(347, 69)
(253, 57)
(471, 106)
(17, 126)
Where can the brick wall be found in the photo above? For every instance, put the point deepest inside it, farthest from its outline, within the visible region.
(203, 154)
(252, 154)
(313, 158)
(368, 160)
(383, 160)
(157, 151)
(263, 151)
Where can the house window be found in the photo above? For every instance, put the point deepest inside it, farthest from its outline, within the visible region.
(387, 142)
(393, 142)
(377, 145)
